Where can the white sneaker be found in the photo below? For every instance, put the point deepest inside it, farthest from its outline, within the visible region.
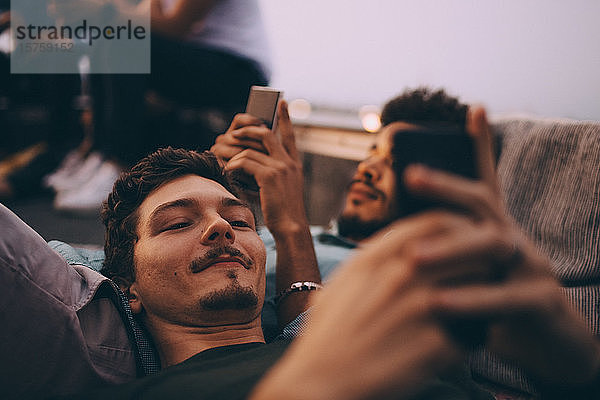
(69, 165)
(87, 199)
(80, 173)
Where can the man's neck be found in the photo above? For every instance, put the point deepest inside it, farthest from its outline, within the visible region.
(177, 343)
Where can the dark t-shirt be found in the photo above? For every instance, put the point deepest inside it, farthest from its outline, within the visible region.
(230, 372)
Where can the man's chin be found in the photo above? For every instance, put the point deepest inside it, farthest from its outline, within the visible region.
(353, 227)
(232, 297)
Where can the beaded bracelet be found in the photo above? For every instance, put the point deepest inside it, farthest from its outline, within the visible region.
(297, 287)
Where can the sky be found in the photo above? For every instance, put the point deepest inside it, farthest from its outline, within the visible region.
(537, 57)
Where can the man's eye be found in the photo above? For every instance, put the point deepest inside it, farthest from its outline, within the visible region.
(240, 224)
(179, 225)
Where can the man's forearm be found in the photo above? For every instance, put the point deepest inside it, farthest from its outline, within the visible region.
(296, 262)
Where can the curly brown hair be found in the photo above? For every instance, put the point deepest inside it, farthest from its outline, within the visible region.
(120, 211)
(423, 106)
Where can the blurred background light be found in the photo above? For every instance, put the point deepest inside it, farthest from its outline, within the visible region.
(299, 109)
(369, 118)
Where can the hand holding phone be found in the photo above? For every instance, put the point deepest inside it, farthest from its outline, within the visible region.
(262, 103)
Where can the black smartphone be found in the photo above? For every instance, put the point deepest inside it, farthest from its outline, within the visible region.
(447, 149)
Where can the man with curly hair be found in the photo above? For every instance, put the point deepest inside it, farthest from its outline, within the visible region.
(369, 202)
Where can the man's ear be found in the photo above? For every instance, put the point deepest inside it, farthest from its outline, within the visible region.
(135, 301)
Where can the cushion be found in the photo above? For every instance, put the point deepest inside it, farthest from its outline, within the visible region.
(549, 173)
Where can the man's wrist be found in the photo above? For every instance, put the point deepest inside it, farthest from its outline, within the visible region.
(289, 230)
(301, 286)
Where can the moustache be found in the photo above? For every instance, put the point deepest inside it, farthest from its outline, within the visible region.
(216, 252)
(368, 183)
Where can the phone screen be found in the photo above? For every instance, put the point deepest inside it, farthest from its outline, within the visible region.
(446, 149)
(450, 150)
(262, 103)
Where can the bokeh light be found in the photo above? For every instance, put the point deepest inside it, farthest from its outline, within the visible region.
(299, 109)
(369, 118)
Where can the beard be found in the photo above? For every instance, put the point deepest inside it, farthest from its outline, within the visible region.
(352, 227)
(232, 297)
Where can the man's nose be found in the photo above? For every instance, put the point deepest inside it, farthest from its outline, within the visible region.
(219, 230)
(368, 170)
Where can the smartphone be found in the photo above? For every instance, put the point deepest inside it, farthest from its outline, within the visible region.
(446, 149)
(262, 103)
